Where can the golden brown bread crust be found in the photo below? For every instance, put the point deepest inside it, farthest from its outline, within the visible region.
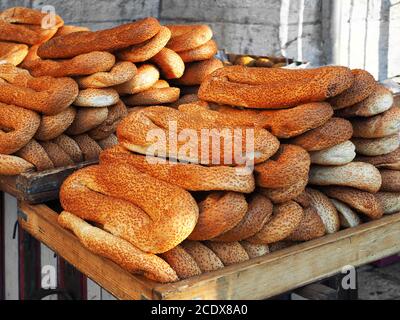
(359, 175)
(377, 146)
(379, 101)
(303, 199)
(53, 126)
(285, 220)
(12, 53)
(197, 72)
(70, 147)
(390, 180)
(204, 52)
(115, 114)
(185, 99)
(333, 132)
(390, 202)
(73, 44)
(387, 161)
(255, 250)
(170, 63)
(43, 94)
(121, 72)
(56, 154)
(284, 168)
(146, 76)
(109, 142)
(363, 86)
(258, 213)
(382, 125)
(147, 49)
(96, 97)
(186, 37)
(87, 119)
(13, 165)
(118, 250)
(67, 29)
(205, 258)
(22, 15)
(155, 220)
(218, 213)
(84, 64)
(181, 262)
(34, 153)
(263, 87)
(132, 134)
(153, 96)
(17, 127)
(229, 252)
(18, 33)
(90, 149)
(191, 177)
(338, 155)
(362, 201)
(311, 227)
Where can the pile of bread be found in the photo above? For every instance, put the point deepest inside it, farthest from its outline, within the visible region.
(64, 89)
(171, 214)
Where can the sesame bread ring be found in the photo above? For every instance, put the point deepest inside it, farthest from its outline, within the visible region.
(133, 135)
(70, 147)
(22, 15)
(34, 153)
(205, 258)
(282, 195)
(359, 175)
(285, 219)
(338, 155)
(115, 115)
(219, 212)
(362, 201)
(378, 146)
(13, 165)
(325, 209)
(303, 199)
(146, 50)
(43, 94)
(255, 250)
(53, 126)
(258, 213)
(274, 88)
(169, 63)
(196, 72)
(390, 180)
(229, 252)
(161, 84)
(56, 154)
(90, 149)
(333, 132)
(284, 168)
(382, 125)
(87, 119)
(379, 101)
(348, 218)
(390, 201)
(387, 161)
(121, 72)
(181, 262)
(191, 177)
(18, 33)
(288, 123)
(363, 86)
(311, 227)
(17, 127)
(186, 37)
(154, 221)
(76, 43)
(44, 34)
(67, 29)
(13, 53)
(96, 98)
(204, 52)
(109, 142)
(153, 96)
(185, 99)
(84, 64)
(118, 250)
(146, 76)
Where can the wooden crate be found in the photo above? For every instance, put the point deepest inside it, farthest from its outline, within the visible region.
(259, 278)
(39, 187)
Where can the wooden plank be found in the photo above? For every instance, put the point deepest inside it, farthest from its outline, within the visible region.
(41, 222)
(259, 278)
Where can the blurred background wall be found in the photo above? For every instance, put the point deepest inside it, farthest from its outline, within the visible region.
(357, 33)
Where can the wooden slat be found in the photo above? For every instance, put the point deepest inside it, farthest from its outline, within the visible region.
(259, 278)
